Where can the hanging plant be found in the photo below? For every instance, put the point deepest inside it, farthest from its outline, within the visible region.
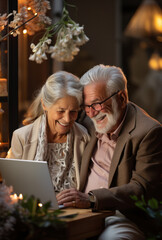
(69, 37)
(69, 34)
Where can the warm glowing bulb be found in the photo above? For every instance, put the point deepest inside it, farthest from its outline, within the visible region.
(155, 62)
(25, 31)
(158, 22)
(20, 196)
(29, 8)
(35, 13)
(40, 205)
(160, 63)
(15, 196)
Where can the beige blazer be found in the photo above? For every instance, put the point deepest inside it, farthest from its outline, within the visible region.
(136, 166)
(25, 139)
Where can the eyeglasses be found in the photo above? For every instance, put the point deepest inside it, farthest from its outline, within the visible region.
(97, 106)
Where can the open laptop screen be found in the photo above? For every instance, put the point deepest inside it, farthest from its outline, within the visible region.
(29, 178)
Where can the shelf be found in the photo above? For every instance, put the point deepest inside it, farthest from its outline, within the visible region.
(8, 83)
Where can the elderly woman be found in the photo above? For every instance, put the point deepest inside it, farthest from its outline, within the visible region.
(51, 133)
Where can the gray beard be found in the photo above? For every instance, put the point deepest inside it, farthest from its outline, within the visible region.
(112, 119)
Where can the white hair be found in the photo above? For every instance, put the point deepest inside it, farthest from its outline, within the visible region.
(60, 84)
(113, 76)
(57, 86)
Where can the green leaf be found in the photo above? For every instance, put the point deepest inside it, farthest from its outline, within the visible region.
(140, 205)
(143, 200)
(153, 203)
(153, 208)
(134, 197)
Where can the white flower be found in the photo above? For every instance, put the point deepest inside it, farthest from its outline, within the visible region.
(32, 57)
(44, 19)
(69, 37)
(61, 53)
(39, 23)
(17, 21)
(75, 50)
(16, 32)
(40, 50)
(44, 56)
(6, 209)
(40, 6)
(3, 21)
(32, 45)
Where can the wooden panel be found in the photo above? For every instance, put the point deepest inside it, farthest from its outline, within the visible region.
(86, 224)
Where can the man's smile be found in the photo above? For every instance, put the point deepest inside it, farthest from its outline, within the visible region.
(100, 118)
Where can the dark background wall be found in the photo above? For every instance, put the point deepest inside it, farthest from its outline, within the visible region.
(104, 23)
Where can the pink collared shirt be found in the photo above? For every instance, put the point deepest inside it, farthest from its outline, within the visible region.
(101, 160)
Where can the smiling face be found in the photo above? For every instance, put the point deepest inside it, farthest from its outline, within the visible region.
(107, 119)
(61, 115)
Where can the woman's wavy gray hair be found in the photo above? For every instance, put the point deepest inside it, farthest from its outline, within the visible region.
(113, 76)
(58, 85)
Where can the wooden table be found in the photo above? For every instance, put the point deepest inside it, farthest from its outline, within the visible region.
(86, 224)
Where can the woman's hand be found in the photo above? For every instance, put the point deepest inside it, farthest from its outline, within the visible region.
(73, 198)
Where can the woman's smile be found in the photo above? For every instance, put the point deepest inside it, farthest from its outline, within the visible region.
(63, 124)
(62, 115)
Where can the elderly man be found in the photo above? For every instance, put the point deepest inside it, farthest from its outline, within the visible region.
(123, 158)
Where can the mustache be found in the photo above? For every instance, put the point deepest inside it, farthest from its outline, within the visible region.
(97, 117)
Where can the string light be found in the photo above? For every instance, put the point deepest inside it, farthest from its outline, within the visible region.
(25, 31)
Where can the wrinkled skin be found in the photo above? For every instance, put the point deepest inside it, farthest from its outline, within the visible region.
(68, 196)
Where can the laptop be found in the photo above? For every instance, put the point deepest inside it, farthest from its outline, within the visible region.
(29, 178)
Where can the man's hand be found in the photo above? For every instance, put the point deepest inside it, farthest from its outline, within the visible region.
(73, 198)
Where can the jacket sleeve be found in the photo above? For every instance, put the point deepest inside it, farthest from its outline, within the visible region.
(16, 149)
(145, 177)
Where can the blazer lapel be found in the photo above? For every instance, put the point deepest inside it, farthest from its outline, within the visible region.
(30, 151)
(31, 146)
(128, 126)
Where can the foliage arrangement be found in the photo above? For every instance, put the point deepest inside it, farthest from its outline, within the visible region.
(26, 219)
(69, 36)
(25, 13)
(153, 208)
